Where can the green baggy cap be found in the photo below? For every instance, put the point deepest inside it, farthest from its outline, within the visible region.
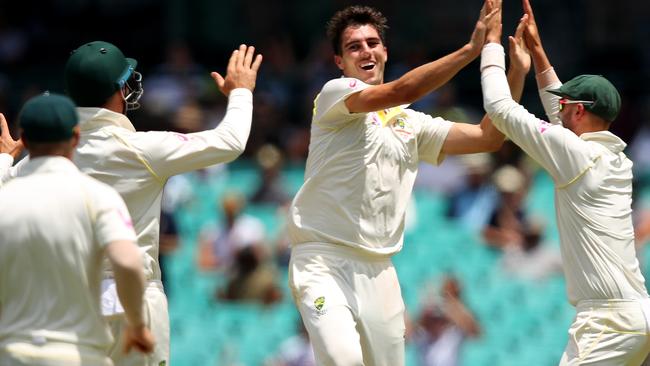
(95, 71)
(607, 101)
(48, 118)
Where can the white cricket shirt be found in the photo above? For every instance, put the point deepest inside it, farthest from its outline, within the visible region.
(360, 171)
(54, 225)
(593, 194)
(138, 164)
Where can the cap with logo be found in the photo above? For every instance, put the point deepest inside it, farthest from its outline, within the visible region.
(48, 118)
(95, 71)
(607, 101)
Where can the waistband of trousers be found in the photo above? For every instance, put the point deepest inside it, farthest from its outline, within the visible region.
(339, 250)
(610, 304)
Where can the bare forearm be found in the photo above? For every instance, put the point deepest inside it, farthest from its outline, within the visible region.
(129, 278)
(540, 60)
(424, 79)
(516, 81)
(130, 289)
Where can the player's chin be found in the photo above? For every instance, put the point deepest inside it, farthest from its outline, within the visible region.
(372, 79)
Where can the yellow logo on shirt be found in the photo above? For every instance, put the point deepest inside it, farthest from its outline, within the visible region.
(387, 114)
(403, 128)
(319, 303)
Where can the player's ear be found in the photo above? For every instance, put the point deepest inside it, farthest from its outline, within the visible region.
(338, 60)
(580, 110)
(75, 136)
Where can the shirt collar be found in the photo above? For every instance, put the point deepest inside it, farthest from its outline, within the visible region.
(48, 164)
(90, 118)
(607, 139)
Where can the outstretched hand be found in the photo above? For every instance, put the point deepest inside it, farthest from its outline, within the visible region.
(7, 144)
(531, 33)
(489, 16)
(493, 24)
(241, 71)
(519, 54)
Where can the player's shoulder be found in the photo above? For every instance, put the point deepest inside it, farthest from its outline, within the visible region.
(343, 85)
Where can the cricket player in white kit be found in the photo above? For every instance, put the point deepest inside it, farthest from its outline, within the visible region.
(104, 84)
(55, 227)
(593, 196)
(347, 219)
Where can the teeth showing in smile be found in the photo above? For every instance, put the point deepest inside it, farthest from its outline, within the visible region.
(368, 66)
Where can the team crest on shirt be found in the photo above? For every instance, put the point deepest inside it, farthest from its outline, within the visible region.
(544, 126)
(403, 128)
(319, 304)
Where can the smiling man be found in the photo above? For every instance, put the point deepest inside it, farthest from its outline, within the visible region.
(347, 220)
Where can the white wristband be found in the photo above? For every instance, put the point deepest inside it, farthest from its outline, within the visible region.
(493, 55)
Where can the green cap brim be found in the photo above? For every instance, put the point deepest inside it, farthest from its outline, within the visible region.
(558, 92)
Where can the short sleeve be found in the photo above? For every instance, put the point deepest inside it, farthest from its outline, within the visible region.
(112, 221)
(431, 135)
(330, 110)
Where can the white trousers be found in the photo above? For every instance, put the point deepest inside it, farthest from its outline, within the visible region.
(20, 353)
(607, 333)
(351, 305)
(157, 319)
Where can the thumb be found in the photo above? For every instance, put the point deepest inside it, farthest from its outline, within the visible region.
(512, 42)
(4, 128)
(218, 79)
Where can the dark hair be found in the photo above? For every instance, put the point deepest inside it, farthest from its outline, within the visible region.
(354, 16)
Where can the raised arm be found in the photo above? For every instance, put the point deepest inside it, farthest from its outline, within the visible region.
(7, 144)
(544, 72)
(533, 41)
(464, 138)
(424, 79)
(10, 149)
(169, 153)
(547, 144)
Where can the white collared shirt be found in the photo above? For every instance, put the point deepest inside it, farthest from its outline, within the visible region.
(360, 171)
(593, 194)
(54, 226)
(138, 164)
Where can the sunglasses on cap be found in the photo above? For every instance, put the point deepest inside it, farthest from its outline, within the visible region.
(563, 101)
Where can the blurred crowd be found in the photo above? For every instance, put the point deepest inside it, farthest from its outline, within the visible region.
(178, 43)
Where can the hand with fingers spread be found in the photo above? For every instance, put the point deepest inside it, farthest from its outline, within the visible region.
(519, 54)
(489, 14)
(138, 338)
(7, 144)
(241, 71)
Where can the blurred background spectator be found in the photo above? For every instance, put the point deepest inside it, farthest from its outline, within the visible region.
(251, 278)
(443, 325)
(221, 243)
